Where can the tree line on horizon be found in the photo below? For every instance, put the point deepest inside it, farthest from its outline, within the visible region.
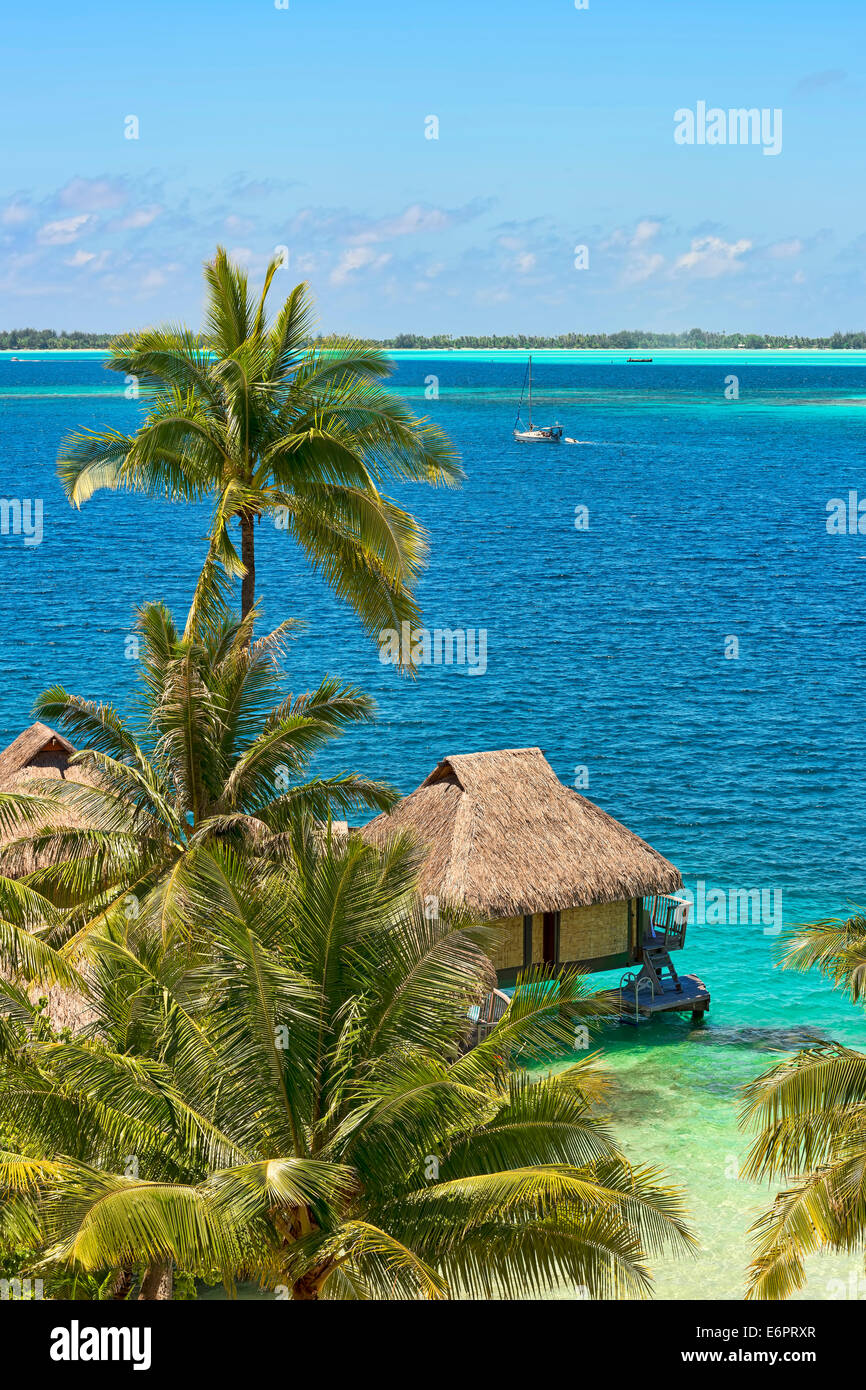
(45, 339)
(626, 338)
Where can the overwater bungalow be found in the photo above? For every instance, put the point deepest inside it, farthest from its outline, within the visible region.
(564, 882)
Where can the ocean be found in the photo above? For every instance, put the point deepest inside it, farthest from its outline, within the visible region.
(667, 616)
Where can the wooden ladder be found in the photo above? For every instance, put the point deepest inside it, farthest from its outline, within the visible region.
(655, 960)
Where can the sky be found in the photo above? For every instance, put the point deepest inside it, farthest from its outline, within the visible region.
(554, 197)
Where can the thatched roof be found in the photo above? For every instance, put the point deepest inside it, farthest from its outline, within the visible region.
(39, 752)
(35, 759)
(504, 837)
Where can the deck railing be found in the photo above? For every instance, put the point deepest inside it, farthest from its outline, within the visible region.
(486, 1015)
(634, 983)
(665, 918)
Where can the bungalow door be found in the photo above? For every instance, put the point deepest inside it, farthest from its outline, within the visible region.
(550, 938)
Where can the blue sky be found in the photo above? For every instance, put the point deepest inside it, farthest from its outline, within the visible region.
(305, 128)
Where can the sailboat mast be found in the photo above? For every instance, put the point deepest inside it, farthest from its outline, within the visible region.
(530, 390)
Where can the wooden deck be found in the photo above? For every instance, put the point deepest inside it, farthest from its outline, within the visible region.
(693, 998)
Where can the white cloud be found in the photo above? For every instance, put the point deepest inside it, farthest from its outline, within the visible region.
(642, 267)
(414, 220)
(91, 259)
(645, 231)
(360, 258)
(638, 262)
(711, 257)
(66, 229)
(141, 217)
(16, 213)
(523, 261)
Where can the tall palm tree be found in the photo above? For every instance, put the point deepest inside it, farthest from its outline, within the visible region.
(218, 755)
(249, 414)
(810, 1111)
(295, 1090)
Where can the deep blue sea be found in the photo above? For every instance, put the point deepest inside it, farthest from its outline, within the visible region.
(694, 655)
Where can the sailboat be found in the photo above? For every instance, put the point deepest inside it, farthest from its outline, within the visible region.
(535, 434)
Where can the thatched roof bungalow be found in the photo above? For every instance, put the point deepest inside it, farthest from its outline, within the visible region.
(40, 755)
(37, 753)
(32, 761)
(564, 881)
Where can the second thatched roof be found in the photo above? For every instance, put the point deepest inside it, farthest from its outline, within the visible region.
(38, 752)
(504, 837)
(38, 756)
(33, 761)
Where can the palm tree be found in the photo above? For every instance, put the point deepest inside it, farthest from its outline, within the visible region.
(219, 755)
(293, 1084)
(252, 416)
(810, 1111)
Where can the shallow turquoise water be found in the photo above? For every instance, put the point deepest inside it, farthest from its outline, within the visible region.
(606, 647)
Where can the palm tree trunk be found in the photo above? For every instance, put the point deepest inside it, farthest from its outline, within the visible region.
(158, 1281)
(310, 1286)
(248, 555)
(121, 1283)
(306, 1289)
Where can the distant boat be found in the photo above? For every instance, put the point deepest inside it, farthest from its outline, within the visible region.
(534, 434)
(639, 359)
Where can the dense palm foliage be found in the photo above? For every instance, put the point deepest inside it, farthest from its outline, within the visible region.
(270, 1078)
(284, 1094)
(810, 1111)
(248, 414)
(219, 755)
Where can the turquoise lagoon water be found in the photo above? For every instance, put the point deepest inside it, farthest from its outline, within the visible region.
(605, 646)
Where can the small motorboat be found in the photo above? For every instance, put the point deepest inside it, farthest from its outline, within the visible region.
(534, 434)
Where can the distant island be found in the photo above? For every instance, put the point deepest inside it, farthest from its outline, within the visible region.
(45, 339)
(628, 338)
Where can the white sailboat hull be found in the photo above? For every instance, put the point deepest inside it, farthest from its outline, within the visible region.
(538, 436)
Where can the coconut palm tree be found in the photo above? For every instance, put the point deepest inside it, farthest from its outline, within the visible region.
(219, 754)
(810, 1111)
(249, 414)
(287, 1096)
